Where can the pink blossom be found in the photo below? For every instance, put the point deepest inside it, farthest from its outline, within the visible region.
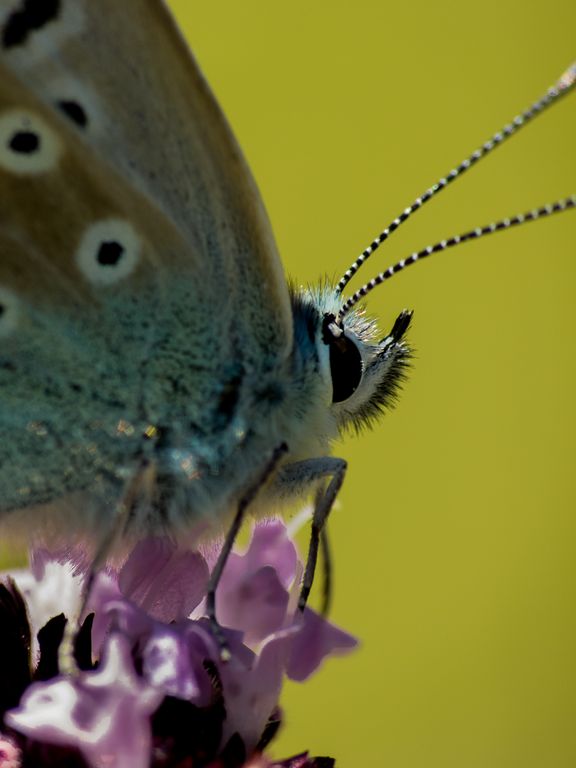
(153, 689)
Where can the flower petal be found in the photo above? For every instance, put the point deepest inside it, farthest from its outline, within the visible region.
(255, 604)
(164, 580)
(168, 665)
(269, 545)
(10, 754)
(316, 639)
(49, 588)
(105, 714)
(251, 693)
(252, 594)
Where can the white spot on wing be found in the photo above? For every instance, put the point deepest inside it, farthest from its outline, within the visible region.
(19, 131)
(67, 89)
(108, 252)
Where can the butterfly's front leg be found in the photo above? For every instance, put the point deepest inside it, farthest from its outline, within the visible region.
(294, 477)
(231, 535)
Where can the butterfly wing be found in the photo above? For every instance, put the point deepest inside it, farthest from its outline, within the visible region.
(124, 77)
(127, 214)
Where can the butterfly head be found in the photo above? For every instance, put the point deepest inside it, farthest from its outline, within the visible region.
(361, 370)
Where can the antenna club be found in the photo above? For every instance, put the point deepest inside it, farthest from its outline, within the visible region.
(568, 78)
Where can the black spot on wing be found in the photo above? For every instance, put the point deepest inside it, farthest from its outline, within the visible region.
(74, 111)
(29, 17)
(25, 142)
(110, 253)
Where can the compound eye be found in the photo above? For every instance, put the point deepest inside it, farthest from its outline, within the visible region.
(346, 368)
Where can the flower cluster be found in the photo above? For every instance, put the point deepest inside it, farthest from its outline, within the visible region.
(152, 688)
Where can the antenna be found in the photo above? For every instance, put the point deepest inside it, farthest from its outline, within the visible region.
(442, 245)
(562, 86)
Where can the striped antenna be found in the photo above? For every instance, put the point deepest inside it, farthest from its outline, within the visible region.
(473, 234)
(564, 84)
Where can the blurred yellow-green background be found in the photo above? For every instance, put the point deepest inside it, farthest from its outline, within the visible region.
(455, 538)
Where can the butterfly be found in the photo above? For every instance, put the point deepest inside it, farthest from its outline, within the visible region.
(157, 374)
(153, 361)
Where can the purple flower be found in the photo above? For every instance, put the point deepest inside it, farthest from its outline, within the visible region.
(153, 689)
(94, 712)
(10, 755)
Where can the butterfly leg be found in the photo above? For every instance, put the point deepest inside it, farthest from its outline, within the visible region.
(216, 574)
(327, 572)
(299, 475)
(123, 514)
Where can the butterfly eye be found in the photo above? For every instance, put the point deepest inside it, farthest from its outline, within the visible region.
(108, 252)
(27, 144)
(345, 367)
(8, 312)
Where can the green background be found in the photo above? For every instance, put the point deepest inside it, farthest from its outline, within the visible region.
(454, 538)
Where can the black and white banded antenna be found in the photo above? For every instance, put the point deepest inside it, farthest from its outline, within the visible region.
(563, 85)
(522, 218)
